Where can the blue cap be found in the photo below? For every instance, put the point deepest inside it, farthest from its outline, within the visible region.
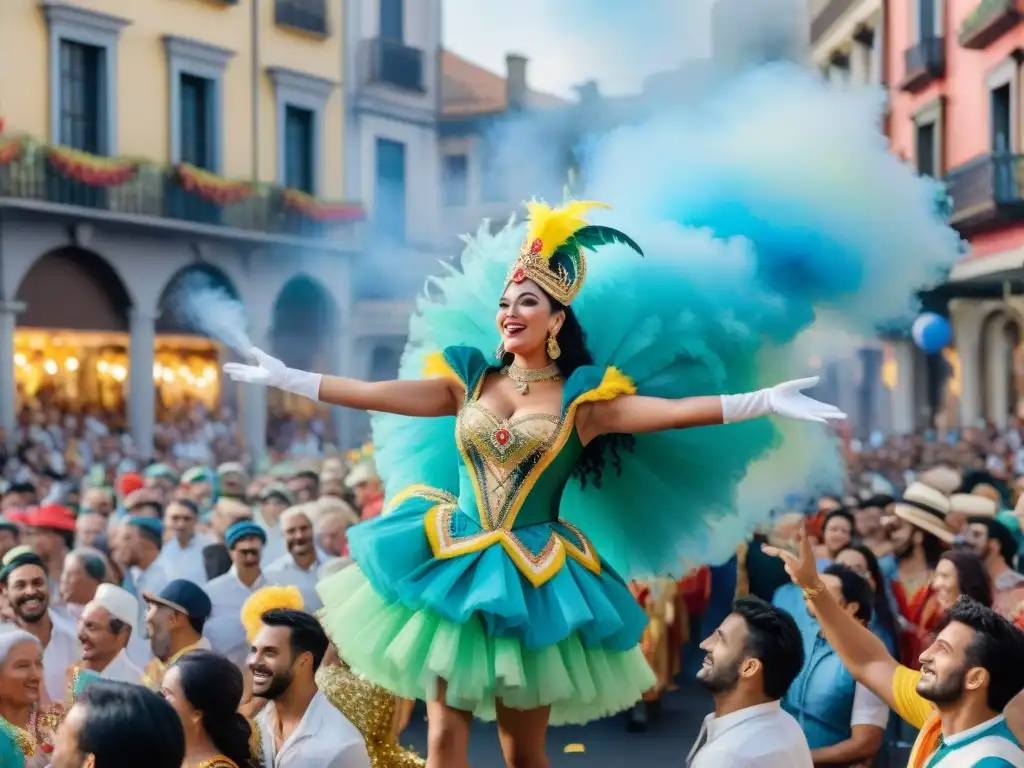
(183, 596)
(150, 525)
(241, 530)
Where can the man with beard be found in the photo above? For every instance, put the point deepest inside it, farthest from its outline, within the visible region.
(749, 663)
(299, 726)
(990, 539)
(26, 587)
(300, 567)
(175, 620)
(969, 676)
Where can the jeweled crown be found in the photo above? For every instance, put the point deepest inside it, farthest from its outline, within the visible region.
(552, 253)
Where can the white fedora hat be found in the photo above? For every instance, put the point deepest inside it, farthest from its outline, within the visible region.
(926, 508)
(972, 505)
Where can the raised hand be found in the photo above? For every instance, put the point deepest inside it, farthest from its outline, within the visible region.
(268, 371)
(801, 567)
(788, 399)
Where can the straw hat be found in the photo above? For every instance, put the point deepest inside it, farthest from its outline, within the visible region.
(926, 508)
(973, 505)
(943, 479)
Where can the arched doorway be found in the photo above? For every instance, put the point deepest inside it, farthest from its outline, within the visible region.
(1003, 367)
(71, 346)
(187, 361)
(304, 335)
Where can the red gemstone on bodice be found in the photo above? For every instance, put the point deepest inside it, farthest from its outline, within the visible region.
(502, 436)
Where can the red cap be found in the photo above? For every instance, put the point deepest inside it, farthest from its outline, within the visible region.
(17, 516)
(128, 483)
(52, 516)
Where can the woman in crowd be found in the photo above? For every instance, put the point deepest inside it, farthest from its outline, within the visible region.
(26, 732)
(961, 573)
(205, 690)
(862, 561)
(836, 533)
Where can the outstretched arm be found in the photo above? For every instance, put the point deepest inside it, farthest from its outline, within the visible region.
(427, 397)
(636, 414)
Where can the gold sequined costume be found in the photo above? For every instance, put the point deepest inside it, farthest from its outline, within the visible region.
(376, 713)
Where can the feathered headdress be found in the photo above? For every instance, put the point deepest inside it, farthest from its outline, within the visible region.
(268, 599)
(552, 254)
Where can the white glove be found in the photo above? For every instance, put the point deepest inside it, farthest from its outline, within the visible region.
(786, 399)
(271, 372)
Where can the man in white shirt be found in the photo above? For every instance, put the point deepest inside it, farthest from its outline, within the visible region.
(104, 630)
(26, 587)
(182, 555)
(299, 727)
(750, 662)
(300, 567)
(244, 540)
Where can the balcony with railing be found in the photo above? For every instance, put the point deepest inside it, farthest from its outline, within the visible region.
(58, 180)
(307, 15)
(833, 11)
(395, 64)
(923, 63)
(986, 190)
(990, 20)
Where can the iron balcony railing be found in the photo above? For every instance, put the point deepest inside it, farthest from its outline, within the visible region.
(307, 15)
(395, 63)
(159, 193)
(924, 62)
(986, 187)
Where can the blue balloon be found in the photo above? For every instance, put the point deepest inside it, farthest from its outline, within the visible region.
(931, 332)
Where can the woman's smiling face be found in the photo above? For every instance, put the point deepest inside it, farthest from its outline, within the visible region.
(525, 318)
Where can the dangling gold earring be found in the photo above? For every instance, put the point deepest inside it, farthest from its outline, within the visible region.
(554, 351)
(500, 352)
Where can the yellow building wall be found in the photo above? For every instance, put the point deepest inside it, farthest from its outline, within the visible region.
(143, 82)
(24, 72)
(293, 49)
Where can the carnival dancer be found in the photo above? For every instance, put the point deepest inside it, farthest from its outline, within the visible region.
(523, 428)
(476, 589)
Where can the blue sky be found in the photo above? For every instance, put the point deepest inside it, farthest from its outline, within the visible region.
(570, 41)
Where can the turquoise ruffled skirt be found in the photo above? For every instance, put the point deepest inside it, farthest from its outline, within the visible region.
(406, 620)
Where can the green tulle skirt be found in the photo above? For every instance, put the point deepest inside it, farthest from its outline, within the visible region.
(408, 652)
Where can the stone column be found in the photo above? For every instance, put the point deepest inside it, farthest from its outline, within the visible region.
(141, 394)
(903, 402)
(9, 311)
(996, 374)
(967, 318)
(253, 409)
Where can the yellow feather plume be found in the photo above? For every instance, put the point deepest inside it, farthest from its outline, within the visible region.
(553, 226)
(268, 599)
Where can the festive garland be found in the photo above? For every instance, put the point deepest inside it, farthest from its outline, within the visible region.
(10, 151)
(91, 170)
(311, 208)
(212, 188)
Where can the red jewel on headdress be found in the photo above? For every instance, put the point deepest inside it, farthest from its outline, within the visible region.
(518, 275)
(502, 436)
(535, 246)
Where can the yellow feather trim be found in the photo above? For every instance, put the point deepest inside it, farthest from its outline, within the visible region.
(613, 384)
(436, 366)
(553, 226)
(268, 599)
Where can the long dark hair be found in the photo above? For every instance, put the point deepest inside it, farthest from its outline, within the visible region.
(573, 342)
(975, 582)
(882, 607)
(214, 686)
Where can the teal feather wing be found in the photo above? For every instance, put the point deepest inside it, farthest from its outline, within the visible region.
(593, 237)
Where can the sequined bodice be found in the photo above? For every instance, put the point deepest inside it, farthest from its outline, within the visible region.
(504, 459)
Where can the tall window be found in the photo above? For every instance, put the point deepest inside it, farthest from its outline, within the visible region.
(197, 121)
(926, 146)
(392, 20)
(389, 203)
(1001, 119)
(81, 98)
(455, 177)
(927, 19)
(299, 149)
